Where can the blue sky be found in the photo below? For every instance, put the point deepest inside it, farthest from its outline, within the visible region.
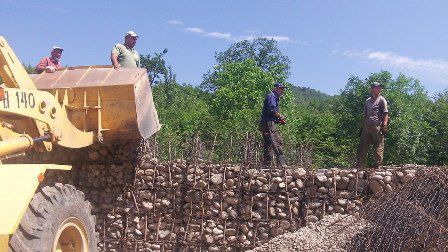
(327, 41)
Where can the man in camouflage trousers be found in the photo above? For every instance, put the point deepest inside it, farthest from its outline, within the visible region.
(374, 126)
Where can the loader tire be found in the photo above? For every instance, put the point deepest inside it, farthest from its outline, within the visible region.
(58, 218)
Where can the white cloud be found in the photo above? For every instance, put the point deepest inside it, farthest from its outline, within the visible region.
(434, 68)
(231, 37)
(219, 35)
(287, 39)
(335, 51)
(246, 37)
(397, 61)
(279, 38)
(252, 31)
(175, 22)
(195, 30)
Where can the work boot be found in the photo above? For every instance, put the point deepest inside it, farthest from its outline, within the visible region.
(281, 161)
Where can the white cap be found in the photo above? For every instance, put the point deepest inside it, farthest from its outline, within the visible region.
(131, 33)
(57, 48)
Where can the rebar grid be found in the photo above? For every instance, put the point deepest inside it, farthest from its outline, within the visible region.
(413, 217)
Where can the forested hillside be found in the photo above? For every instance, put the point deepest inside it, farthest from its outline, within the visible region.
(306, 94)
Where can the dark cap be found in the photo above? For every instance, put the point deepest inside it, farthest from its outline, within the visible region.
(376, 84)
(279, 85)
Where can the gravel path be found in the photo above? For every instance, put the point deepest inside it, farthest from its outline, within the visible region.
(329, 234)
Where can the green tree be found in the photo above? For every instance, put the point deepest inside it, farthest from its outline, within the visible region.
(158, 70)
(181, 108)
(409, 106)
(304, 95)
(408, 140)
(264, 52)
(29, 68)
(438, 118)
(315, 127)
(239, 86)
(240, 91)
(348, 109)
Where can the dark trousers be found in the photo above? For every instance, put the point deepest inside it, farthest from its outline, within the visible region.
(272, 142)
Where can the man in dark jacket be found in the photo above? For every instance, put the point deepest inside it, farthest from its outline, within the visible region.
(270, 116)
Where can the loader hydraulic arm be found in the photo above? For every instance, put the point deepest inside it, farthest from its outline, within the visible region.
(15, 76)
(13, 73)
(20, 144)
(38, 111)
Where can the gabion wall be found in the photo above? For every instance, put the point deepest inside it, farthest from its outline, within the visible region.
(142, 204)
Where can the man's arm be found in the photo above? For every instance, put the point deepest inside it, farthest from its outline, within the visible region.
(114, 60)
(138, 61)
(41, 65)
(385, 113)
(384, 128)
(385, 119)
(271, 106)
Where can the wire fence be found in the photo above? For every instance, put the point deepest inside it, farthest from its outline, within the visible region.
(229, 147)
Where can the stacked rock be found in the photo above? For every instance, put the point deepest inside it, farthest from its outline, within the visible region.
(143, 204)
(151, 174)
(153, 206)
(333, 191)
(211, 208)
(271, 204)
(105, 175)
(388, 178)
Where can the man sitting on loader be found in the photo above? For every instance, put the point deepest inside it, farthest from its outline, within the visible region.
(52, 63)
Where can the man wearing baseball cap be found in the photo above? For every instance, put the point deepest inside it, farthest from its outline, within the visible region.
(374, 126)
(52, 63)
(270, 116)
(124, 55)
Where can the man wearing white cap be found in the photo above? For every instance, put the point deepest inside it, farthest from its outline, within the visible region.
(51, 64)
(124, 55)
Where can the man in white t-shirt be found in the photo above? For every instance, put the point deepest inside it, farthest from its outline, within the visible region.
(124, 55)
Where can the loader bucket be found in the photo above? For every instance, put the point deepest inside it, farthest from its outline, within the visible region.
(114, 104)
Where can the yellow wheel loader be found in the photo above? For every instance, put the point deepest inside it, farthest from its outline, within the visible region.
(73, 108)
